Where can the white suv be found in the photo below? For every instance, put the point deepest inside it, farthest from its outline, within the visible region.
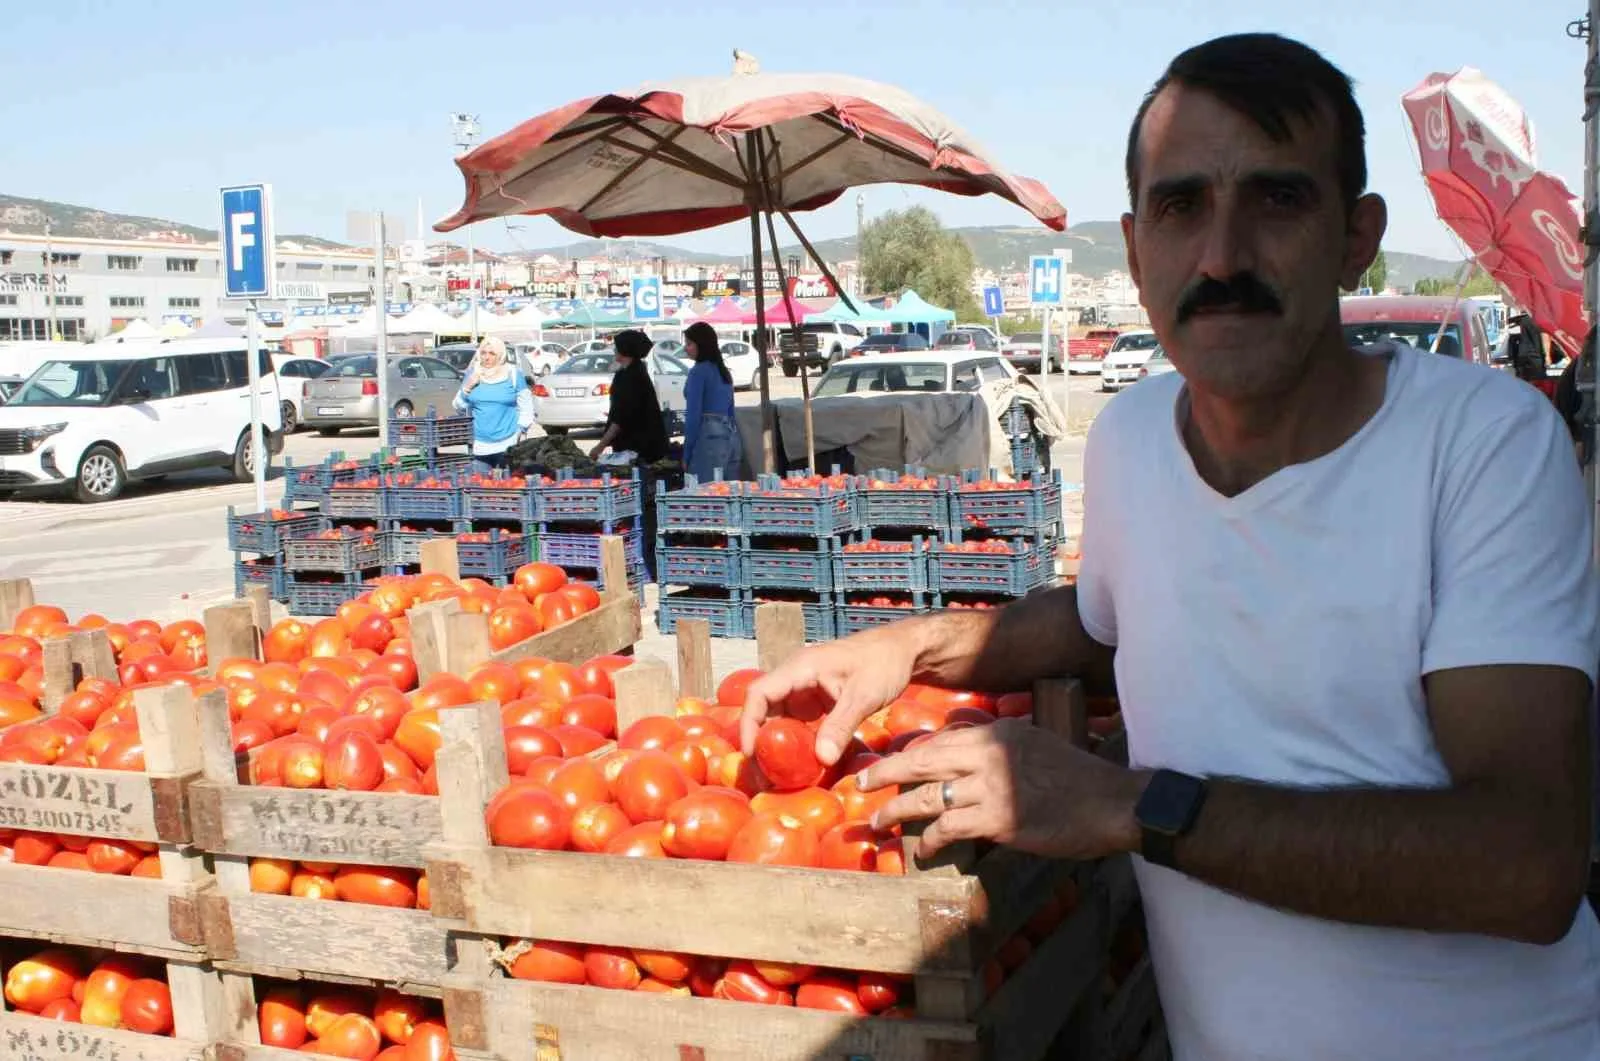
(96, 416)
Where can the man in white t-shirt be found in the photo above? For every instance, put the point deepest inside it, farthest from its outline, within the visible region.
(1346, 599)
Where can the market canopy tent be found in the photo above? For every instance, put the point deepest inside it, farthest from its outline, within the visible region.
(684, 155)
(726, 311)
(430, 319)
(138, 328)
(911, 308)
(584, 315)
(842, 311)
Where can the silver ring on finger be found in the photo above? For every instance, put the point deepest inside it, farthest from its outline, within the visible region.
(947, 794)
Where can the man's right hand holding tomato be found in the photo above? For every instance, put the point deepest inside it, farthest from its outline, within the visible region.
(1011, 782)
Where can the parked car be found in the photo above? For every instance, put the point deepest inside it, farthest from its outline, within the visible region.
(744, 363)
(1415, 320)
(890, 342)
(1125, 358)
(293, 375)
(578, 394)
(457, 355)
(591, 346)
(1085, 354)
(101, 415)
(822, 343)
(1000, 340)
(1156, 364)
(667, 346)
(347, 396)
(965, 339)
(933, 372)
(8, 387)
(536, 359)
(1023, 350)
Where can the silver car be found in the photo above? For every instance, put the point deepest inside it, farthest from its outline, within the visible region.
(347, 396)
(578, 394)
(1157, 365)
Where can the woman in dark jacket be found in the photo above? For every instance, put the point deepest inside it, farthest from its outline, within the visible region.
(634, 422)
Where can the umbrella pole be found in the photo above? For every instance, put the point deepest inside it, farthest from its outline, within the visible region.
(799, 342)
(834, 280)
(1588, 374)
(768, 420)
(1466, 274)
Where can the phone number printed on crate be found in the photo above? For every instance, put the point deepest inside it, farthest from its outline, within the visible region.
(61, 1043)
(73, 801)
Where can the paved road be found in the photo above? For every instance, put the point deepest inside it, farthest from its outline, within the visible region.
(161, 550)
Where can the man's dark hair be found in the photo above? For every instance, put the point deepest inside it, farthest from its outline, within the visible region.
(1270, 80)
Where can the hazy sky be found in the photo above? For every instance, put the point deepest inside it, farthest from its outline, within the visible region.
(148, 108)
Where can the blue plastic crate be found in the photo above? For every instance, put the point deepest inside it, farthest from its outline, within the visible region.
(695, 508)
(258, 532)
(259, 573)
(1017, 420)
(887, 572)
(405, 547)
(805, 512)
(498, 557)
(321, 598)
(501, 503)
(430, 431)
(567, 549)
(350, 552)
(356, 502)
(884, 503)
(724, 615)
(611, 499)
(1030, 505)
(852, 618)
(819, 618)
(766, 567)
(1010, 574)
(416, 502)
(697, 565)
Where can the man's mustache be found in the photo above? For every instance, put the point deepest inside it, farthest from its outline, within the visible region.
(1244, 292)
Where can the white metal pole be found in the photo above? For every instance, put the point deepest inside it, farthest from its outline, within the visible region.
(472, 283)
(258, 451)
(1588, 376)
(383, 338)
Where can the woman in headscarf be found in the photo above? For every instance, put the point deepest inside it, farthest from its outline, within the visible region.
(496, 396)
(711, 446)
(634, 422)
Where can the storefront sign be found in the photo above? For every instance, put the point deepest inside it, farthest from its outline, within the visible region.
(31, 282)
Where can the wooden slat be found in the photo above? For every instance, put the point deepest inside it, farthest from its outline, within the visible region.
(780, 633)
(1031, 1007)
(614, 567)
(428, 635)
(260, 601)
(695, 677)
(15, 595)
(1059, 706)
(28, 1038)
(472, 768)
(264, 934)
(594, 1024)
(115, 804)
(231, 633)
(439, 556)
(643, 689)
(613, 626)
(313, 825)
(65, 906)
(1131, 1014)
(834, 918)
(93, 654)
(1015, 885)
(241, 1051)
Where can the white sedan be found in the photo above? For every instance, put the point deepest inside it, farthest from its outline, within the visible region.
(577, 396)
(294, 373)
(928, 371)
(1127, 356)
(744, 364)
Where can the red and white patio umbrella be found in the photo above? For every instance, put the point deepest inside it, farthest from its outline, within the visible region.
(690, 154)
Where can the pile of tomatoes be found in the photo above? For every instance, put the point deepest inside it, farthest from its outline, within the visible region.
(347, 1022)
(665, 972)
(366, 482)
(881, 600)
(875, 545)
(122, 858)
(366, 533)
(504, 482)
(66, 984)
(988, 545)
(410, 480)
(393, 886)
(905, 482)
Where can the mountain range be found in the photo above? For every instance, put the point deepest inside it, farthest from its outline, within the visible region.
(1096, 245)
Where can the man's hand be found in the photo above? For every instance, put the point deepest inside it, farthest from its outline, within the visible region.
(1012, 783)
(859, 674)
(595, 451)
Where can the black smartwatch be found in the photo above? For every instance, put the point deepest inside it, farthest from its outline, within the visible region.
(1167, 809)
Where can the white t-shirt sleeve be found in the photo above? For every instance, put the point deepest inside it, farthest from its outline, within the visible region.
(1096, 603)
(1513, 571)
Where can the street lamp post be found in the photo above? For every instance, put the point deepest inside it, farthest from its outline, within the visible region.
(466, 131)
(861, 226)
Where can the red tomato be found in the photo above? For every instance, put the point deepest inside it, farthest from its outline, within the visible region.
(667, 966)
(373, 632)
(775, 840)
(859, 806)
(282, 1019)
(530, 711)
(891, 857)
(555, 609)
(542, 769)
(429, 1042)
(558, 681)
(82, 707)
(612, 967)
(878, 991)
(303, 764)
(63, 1009)
(786, 753)
(732, 691)
(537, 579)
(549, 961)
(830, 991)
(817, 807)
(582, 596)
(704, 823)
(741, 983)
(578, 783)
(35, 982)
(848, 845)
(972, 716)
(691, 760)
(591, 711)
(250, 733)
(397, 1015)
(147, 1008)
(399, 671)
(524, 744)
(654, 731)
(512, 624)
(648, 785)
(577, 740)
(116, 857)
(1014, 705)
(910, 716)
(782, 974)
(638, 841)
(531, 818)
(316, 720)
(352, 1035)
(397, 764)
(595, 825)
(418, 735)
(377, 885)
(385, 704)
(329, 1006)
(596, 674)
(443, 690)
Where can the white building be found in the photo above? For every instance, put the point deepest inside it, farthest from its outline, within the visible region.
(92, 287)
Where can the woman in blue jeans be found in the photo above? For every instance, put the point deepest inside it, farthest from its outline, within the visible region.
(711, 445)
(500, 403)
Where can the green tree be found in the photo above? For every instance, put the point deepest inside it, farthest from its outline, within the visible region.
(911, 249)
(1377, 275)
(1479, 285)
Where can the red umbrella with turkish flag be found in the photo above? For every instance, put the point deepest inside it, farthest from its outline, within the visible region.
(1519, 223)
(695, 153)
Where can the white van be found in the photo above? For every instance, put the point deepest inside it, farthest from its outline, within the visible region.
(99, 415)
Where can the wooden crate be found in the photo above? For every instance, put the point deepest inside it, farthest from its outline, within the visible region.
(197, 1010)
(288, 937)
(158, 917)
(939, 924)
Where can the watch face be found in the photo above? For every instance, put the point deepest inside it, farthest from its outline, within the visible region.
(1170, 802)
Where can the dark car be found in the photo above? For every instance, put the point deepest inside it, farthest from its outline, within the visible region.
(890, 342)
(457, 355)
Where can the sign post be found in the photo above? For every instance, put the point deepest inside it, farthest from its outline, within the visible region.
(249, 271)
(994, 307)
(381, 301)
(647, 298)
(1046, 281)
(1064, 256)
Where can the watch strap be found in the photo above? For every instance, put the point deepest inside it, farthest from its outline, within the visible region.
(1160, 828)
